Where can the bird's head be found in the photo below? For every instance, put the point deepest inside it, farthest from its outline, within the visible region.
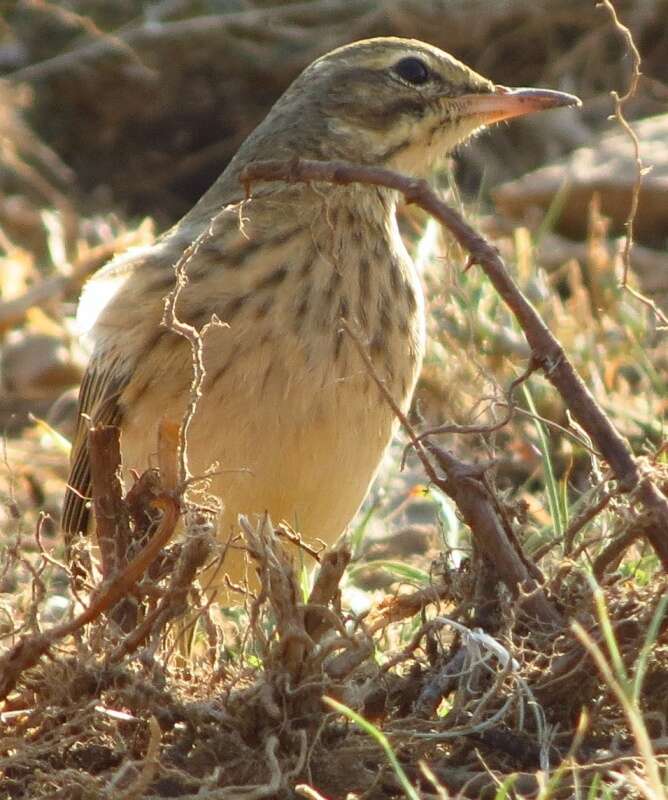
(398, 103)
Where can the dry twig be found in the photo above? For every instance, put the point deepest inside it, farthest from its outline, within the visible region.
(640, 170)
(546, 350)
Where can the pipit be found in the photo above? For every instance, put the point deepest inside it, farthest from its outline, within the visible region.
(289, 415)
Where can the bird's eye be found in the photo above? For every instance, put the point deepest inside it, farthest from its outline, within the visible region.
(412, 70)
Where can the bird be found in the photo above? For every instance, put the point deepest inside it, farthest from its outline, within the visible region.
(290, 422)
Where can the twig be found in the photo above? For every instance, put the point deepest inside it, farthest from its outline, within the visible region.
(574, 527)
(111, 516)
(466, 485)
(196, 340)
(640, 170)
(403, 419)
(325, 591)
(545, 348)
(305, 790)
(183, 30)
(285, 531)
(578, 522)
(509, 403)
(557, 427)
(173, 601)
(612, 554)
(279, 585)
(425, 629)
(394, 609)
(84, 21)
(149, 767)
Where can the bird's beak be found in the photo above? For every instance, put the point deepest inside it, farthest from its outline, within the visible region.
(504, 103)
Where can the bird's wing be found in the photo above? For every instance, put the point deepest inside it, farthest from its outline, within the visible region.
(146, 273)
(98, 405)
(107, 374)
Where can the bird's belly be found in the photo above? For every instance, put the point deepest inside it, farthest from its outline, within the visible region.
(302, 444)
(309, 466)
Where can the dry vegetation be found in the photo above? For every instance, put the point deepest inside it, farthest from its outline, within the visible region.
(501, 633)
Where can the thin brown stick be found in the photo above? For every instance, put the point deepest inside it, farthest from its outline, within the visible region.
(640, 170)
(174, 32)
(325, 591)
(486, 429)
(579, 441)
(545, 348)
(466, 485)
(578, 522)
(111, 516)
(173, 601)
(149, 765)
(85, 22)
(613, 552)
(399, 414)
(195, 339)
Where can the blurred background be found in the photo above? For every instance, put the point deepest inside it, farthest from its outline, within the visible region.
(145, 102)
(114, 117)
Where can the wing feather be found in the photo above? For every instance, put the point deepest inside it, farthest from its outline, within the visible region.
(98, 405)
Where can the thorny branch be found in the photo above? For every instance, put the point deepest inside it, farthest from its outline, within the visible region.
(546, 350)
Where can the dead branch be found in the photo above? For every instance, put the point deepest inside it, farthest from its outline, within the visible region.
(325, 590)
(467, 486)
(193, 556)
(394, 609)
(278, 581)
(545, 349)
(441, 684)
(111, 517)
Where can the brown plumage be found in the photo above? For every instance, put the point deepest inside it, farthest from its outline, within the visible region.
(289, 415)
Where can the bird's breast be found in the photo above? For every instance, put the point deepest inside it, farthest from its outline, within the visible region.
(283, 278)
(290, 416)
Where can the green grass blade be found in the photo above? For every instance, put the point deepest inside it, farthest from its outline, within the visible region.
(553, 212)
(357, 536)
(610, 639)
(557, 512)
(503, 792)
(397, 568)
(648, 644)
(382, 740)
